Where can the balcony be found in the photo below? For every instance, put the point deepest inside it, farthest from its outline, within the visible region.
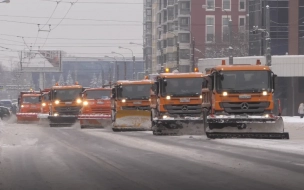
(183, 27)
(184, 12)
(171, 2)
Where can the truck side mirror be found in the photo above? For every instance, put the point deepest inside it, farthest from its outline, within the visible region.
(274, 78)
(113, 94)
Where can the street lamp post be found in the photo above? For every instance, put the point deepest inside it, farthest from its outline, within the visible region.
(116, 66)
(133, 58)
(125, 64)
(230, 33)
(145, 56)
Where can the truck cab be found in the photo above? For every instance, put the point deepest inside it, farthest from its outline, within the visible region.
(241, 102)
(29, 106)
(176, 103)
(131, 105)
(66, 103)
(96, 110)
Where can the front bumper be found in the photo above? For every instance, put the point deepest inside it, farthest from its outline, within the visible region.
(178, 119)
(94, 116)
(241, 119)
(43, 116)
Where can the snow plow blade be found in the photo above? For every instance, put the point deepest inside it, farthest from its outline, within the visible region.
(94, 120)
(62, 121)
(256, 128)
(178, 126)
(27, 118)
(132, 120)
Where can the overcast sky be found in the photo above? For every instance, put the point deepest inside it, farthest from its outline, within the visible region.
(118, 22)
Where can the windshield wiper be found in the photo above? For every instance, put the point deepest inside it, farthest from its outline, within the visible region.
(230, 90)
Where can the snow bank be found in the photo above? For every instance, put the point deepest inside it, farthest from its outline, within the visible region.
(296, 119)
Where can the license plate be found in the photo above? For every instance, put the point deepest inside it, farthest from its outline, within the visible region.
(185, 100)
(68, 103)
(136, 102)
(243, 116)
(33, 106)
(244, 96)
(99, 102)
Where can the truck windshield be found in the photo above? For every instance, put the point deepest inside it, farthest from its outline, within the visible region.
(98, 94)
(68, 94)
(244, 81)
(134, 91)
(182, 87)
(31, 99)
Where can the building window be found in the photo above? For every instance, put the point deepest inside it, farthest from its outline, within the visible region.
(225, 29)
(242, 5)
(210, 5)
(227, 4)
(210, 29)
(184, 38)
(184, 54)
(242, 26)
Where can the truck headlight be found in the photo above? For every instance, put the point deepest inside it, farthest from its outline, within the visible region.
(201, 97)
(123, 100)
(164, 116)
(225, 93)
(85, 103)
(43, 104)
(168, 97)
(265, 93)
(22, 106)
(78, 101)
(57, 101)
(56, 114)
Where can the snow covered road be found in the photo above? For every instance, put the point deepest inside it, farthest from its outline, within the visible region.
(34, 157)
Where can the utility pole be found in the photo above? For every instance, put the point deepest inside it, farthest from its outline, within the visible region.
(161, 60)
(133, 67)
(125, 69)
(177, 55)
(230, 42)
(268, 39)
(193, 56)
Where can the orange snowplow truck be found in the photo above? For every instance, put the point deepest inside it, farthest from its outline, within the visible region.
(66, 102)
(176, 104)
(96, 110)
(45, 106)
(29, 107)
(239, 103)
(131, 106)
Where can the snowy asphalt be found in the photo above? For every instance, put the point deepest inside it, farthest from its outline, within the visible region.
(34, 157)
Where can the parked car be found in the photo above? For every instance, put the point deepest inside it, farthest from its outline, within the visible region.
(6, 103)
(5, 113)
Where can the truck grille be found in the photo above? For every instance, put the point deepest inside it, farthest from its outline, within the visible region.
(101, 110)
(68, 110)
(136, 108)
(244, 107)
(184, 110)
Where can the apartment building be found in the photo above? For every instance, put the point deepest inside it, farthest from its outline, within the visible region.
(171, 34)
(147, 35)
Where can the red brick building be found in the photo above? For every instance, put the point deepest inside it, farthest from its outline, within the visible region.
(210, 26)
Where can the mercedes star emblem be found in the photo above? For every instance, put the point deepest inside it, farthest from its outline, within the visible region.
(245, 106)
